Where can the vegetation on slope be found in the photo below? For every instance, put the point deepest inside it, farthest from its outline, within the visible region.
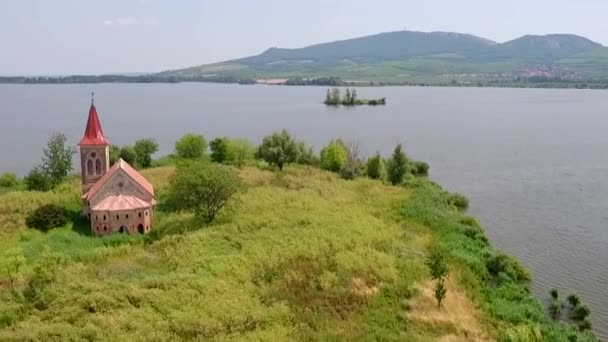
(302, 255)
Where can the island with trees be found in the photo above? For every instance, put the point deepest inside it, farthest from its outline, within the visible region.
(334, 98)
(269, 242)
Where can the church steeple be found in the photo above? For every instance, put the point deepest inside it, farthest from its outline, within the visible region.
(94, 151)
(93, 134)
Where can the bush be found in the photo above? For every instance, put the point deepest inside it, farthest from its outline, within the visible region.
(127, 153)
(220, 149)
(278, 149)
(586, 324)
(144, 149)
(8, 180)
(503, 264)
(203, 188)
(555, 309)
(458, 201)
(333, 156)
(420, 168)
(191, 146)
(37, 180)
(47, 217)
(241, 151)
(581, 311)
(306, 155)
(397, 167)
(573, 300)
(554, 294)
(375, 167)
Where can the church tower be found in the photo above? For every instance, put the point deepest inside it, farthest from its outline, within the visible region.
(94, 151)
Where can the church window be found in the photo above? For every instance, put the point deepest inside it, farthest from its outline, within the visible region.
(105, 228)
(98, 167)
(117, 217)
(146, 212)
(93, 154)
(127, 216)
(89, 167)
(139, 214)
(104, 217)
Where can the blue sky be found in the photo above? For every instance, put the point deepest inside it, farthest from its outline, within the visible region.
(52, 37)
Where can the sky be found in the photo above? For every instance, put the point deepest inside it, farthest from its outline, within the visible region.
(61, 37)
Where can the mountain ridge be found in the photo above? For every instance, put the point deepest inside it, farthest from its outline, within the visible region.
(402, 56)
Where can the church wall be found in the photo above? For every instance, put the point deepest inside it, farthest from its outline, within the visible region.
(120, 183)
(108, 222)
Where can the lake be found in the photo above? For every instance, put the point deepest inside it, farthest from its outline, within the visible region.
(532, 162)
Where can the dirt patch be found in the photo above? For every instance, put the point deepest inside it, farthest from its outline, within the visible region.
(361, 288)
(457, 318)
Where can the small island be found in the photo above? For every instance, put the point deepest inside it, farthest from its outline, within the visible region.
(334, 98)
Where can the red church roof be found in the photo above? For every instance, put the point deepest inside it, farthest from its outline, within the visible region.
(93, 135)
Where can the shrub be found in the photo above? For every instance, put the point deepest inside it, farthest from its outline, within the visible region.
(8, 180)
(333, 156)
(353, 164)
(114, 151)
(555, 308)
(220, 149)
(241, 151)
(581, 311)
(458, 201)
(573, 300)
(191, 146)
(503, 264)
(203, 189)
(420, 168)
(144, 149)
(375, 167)
(586, 324)
(278, 149)
(554, 294)
(37, 180)
(47, 217)
(397, 167)
(306, 155)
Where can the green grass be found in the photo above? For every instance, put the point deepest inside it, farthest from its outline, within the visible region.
(303, 255)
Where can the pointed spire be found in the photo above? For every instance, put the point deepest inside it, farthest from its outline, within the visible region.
(93, 135)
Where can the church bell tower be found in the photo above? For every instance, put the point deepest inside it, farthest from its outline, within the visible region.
(94, 151)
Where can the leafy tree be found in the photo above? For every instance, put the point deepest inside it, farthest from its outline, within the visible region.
(420, 168)
(47, 217)
(241, 151)
(353, 164)
(397, 167)
(127, 153)
(144, 149)
(37, 180)
(333, 156)
(203, 188)
(375, 167)
(57, 158)
(9, 180)
(353, 96)
(347, 97)
(220, 149)
(306, 155)
(114, 154)
(191, 146)
(438, 268)
(11, 264)
(279, 148)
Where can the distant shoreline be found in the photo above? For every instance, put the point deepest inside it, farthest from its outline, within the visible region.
(329, 81)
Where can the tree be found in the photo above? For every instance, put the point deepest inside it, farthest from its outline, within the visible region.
(37, 180)
(241, 151)
(114, 153)
(11, 264)
(333, 156)
(279, 148)
(220, 149)
(375, 167)
(9, 180)
(57, 158)
(306, 155)
(353, 163)
(347, 97)
(353, 96)
(203, 188)
(397, 167)
(438, 268)
(47, 217)
(127, 153)
(191, 146)
(144, 149)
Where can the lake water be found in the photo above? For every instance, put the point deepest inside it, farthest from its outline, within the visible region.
(533, 163)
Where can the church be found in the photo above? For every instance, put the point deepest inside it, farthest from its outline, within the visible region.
(117, 199)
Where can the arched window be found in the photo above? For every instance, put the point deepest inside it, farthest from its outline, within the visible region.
(89, 167)
(104, 217)
(146, 212)
(97, 167)
(105, 228)
(139, 214)
(117, 217)
(127, 216)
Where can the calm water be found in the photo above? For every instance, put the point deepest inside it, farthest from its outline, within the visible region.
(532, 162)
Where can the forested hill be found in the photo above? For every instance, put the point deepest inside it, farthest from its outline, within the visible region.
(433, 57)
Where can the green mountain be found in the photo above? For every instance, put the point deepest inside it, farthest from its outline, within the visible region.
(431, 57)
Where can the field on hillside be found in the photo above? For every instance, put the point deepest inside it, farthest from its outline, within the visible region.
(302, 255)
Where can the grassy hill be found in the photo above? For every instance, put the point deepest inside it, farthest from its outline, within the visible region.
(303, 255)
(417, 57)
